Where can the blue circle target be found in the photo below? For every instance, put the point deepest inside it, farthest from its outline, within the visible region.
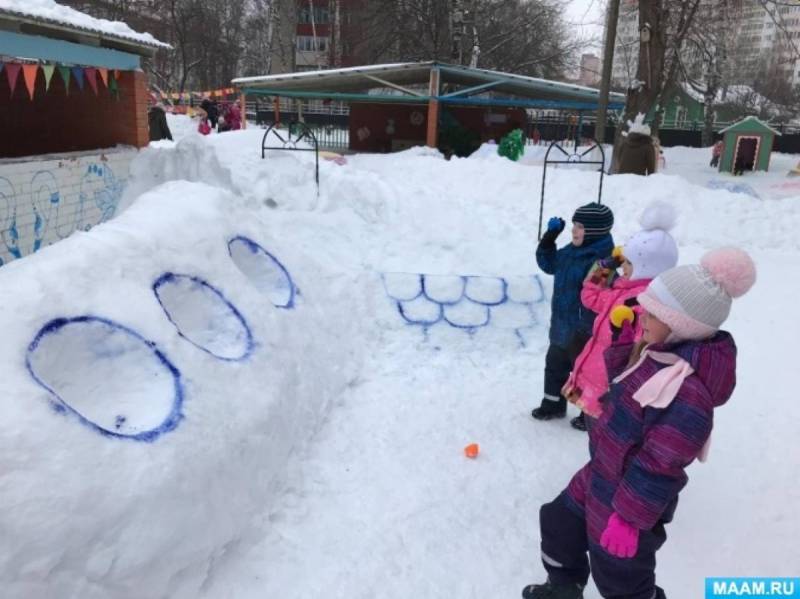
(108, 376)
(264, 270)
(204, 316)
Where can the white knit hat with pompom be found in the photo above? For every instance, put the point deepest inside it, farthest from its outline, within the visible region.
(694, 300)
(652, 250)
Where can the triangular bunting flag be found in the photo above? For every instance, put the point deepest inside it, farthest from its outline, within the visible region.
(116, 74)
(64, 72)
(103, 75)
(12, 72)
(77, 74)
(48, 70)
(91, 77)
(112, 85)
(29, 72)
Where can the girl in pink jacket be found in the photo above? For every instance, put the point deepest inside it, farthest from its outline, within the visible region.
(647, 254)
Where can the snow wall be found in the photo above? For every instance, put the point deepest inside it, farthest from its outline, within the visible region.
(159, 370)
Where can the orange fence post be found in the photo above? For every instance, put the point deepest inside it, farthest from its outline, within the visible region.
(433, 109)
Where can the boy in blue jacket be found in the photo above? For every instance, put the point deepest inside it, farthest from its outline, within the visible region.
(570, 322)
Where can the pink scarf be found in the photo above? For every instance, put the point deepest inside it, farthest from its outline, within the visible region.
(660, 389)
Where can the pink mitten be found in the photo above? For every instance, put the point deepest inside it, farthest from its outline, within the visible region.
(620, 538)
(623, 321)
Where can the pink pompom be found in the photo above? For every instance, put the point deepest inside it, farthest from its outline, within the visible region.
(731, 268)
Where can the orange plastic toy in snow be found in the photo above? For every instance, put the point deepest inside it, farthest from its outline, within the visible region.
(471, 450)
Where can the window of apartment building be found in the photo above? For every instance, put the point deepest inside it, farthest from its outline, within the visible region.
(308, 43)
(321, 15)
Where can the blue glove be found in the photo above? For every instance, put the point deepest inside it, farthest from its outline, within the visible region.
(556, 224)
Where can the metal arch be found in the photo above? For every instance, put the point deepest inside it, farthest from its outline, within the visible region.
(290, 144)
(573, 158)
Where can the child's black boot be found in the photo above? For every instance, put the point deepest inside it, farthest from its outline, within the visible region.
(579, 422)
(548, 590)
(550, 409)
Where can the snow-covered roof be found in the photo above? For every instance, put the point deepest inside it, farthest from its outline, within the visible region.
(48, 12)
(734, 94)
(752, 119)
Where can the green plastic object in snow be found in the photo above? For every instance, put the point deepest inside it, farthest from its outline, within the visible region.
(512, 146)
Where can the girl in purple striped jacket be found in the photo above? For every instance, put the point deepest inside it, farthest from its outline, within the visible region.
(657, 419)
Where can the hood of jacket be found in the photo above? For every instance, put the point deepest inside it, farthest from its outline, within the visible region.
(601, 247)
(713, 361)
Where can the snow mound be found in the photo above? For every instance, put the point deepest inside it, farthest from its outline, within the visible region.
(133, 462)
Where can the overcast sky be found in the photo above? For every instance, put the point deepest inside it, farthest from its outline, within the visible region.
(587, 16)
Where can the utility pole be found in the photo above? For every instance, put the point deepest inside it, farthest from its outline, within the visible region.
(608, 58)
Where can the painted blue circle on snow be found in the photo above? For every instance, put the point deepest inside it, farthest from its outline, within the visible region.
(107, 375)
(264, 270)
(204, 316)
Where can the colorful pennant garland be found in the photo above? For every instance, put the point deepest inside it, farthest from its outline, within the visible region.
(91, 77)
(77, 75)
(29, 72)
(12, 73)
(81, 75)
(218, 93)
(64, 72)
(48, 71)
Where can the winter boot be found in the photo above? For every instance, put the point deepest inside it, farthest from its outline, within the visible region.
(548, 590)
(550, 409)
(578, 423)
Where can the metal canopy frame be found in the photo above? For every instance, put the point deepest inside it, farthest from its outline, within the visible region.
(354, 83)
(572, 158)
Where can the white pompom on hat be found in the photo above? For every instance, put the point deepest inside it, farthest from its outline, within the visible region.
(694, 300)
(652, 250)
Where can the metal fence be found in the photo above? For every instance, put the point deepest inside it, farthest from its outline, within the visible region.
(330, 123)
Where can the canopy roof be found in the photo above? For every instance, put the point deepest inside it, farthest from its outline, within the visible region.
(458, 85)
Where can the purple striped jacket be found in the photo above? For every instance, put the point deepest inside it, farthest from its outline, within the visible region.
(638, 455)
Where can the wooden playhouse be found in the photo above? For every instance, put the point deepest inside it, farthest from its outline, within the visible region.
(748, 145)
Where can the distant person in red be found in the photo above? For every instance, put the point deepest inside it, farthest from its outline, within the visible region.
(203, 127)
(716, 153)
(234, 116)
(536, 136)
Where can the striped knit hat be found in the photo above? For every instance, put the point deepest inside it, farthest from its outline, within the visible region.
(694, 300)
(596, 219)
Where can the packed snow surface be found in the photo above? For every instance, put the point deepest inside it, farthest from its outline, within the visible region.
(244, 386)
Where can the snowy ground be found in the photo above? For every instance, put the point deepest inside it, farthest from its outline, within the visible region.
(328, 462)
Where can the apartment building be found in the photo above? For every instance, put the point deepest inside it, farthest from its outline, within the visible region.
(762, 38)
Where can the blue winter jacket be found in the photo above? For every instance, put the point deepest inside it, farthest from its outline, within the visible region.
(570, 265)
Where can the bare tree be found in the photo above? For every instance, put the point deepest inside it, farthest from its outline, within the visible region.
(705, 64)
(664, 26)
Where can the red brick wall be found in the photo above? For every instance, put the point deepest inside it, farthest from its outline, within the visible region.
(56, 121)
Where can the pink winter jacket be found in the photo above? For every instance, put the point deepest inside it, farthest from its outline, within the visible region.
(589, 373)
